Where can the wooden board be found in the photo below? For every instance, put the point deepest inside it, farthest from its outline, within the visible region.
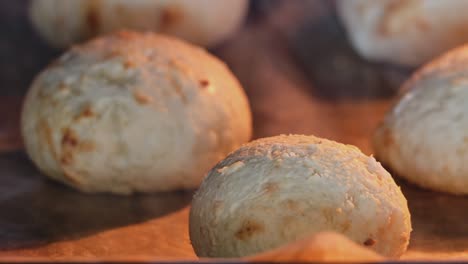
(289, 93)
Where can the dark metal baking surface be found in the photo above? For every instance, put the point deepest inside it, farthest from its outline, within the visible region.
(42, 219)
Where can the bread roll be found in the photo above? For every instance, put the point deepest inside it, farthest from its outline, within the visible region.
(203, 22)
(133, 112)
(424, 138)
(406, 32)
(278, 190)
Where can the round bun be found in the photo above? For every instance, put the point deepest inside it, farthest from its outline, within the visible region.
(277, 190)
(134, 112)
(424, 138)
(203, 22)
(404, 32)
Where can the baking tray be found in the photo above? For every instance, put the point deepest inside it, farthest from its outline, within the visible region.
(300, 75)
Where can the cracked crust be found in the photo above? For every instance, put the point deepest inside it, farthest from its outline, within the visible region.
(97, 125)
(277, 190)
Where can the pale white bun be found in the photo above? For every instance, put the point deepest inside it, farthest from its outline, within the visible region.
(133, 112)
(203, 22)
(278, 190)
(424, 138)
(406, 32)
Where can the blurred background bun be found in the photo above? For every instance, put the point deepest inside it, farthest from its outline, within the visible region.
(203, 22)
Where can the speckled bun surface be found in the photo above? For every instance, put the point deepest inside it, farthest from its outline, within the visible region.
(134, 112)
(277, 190)
(424, 137)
